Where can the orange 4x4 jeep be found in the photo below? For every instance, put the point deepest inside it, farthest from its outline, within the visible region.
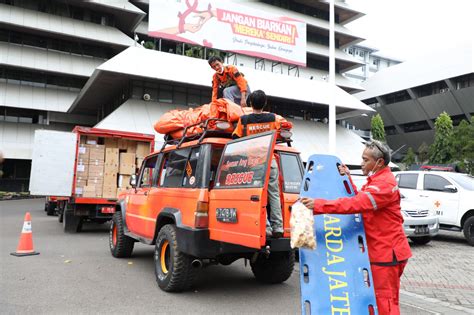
(204, 202)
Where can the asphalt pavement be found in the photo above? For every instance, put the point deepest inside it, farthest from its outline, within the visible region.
(75, 274)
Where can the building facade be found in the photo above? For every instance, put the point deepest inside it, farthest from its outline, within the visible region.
(411, 95)
(50, 50)
(373, 62)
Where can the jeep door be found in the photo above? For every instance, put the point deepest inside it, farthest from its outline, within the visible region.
(237, 206)
(136, 215)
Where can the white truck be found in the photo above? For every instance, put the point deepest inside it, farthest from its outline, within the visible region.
(81, 172)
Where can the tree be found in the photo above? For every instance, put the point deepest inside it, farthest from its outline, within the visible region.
(440, 150)
(378, 131)
(410, 158)
(463, 145)
(149, 45)
(423, 152)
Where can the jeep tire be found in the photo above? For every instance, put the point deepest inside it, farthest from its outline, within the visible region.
(468, 230)
(120, 244)
(275, 268)
(422, 240)
(173, 268)
(71, 223)
(50, 208)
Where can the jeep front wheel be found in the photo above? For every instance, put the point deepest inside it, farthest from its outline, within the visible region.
(468, 229)
(173, 268)
(275, 268)
(120, 244)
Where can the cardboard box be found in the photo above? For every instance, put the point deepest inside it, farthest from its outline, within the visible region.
(124, 181)
(83, 152)
(82, 170)
(97, 152)
(109, 192)
(89, 192)
(110, 179)
(79, 191)
(111, 156)
(127, 164)
(111, 142)
(95, 181)
(92, 140)
(111, 168)
(96, 171)
(96, 162)
(80, 183)
(122, 144)
(139, 162)
(131, 146)
(143, 149)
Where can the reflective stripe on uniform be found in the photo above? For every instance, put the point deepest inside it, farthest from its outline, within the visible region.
(372, 200)
(373, 187)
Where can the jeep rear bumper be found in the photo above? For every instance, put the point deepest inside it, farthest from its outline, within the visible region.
(196, 242)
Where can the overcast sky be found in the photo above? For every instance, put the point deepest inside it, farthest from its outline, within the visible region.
(403, 29)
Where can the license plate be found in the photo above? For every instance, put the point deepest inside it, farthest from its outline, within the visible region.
(107, 210)
(227, 215)
(422, 229)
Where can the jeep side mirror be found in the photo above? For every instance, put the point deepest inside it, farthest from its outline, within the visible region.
(133, 180)
(450, 188)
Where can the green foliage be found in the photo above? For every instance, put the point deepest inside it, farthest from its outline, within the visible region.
(149, 45)
(377, 126)
(423, 152)
(410, 158)
(463, 145)
(440, 150)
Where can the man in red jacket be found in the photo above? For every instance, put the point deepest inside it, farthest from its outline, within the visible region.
(379, 203)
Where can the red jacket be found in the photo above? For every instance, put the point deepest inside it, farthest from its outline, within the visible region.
(379, 203)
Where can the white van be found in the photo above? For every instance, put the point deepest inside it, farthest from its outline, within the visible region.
(451, 195)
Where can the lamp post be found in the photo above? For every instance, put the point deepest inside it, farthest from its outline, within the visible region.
(332, 81)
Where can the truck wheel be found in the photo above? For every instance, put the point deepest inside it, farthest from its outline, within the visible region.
(468, 229)
(71, 223)
(50, 208)
(173, 268)
(275, 268)
(120, 244)
(422, 240)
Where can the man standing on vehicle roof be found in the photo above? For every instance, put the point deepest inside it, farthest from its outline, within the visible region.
(228, 79)
(379, 203)
(258, 122)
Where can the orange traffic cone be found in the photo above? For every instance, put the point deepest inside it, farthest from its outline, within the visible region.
(25, 246)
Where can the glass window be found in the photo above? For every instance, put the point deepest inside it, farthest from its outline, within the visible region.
(466, 181)
(292, 174)
(190, 179)
(244, 162)
(146, 177)
(175, 165)
(407, 180)
(435, 182)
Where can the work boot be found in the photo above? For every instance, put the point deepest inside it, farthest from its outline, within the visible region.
(277, 234)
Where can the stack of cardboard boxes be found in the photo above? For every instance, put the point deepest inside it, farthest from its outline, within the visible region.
(103, 171)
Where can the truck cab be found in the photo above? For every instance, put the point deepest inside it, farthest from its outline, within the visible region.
(205, 202)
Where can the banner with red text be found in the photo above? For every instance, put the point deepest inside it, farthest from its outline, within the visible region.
(228, 26)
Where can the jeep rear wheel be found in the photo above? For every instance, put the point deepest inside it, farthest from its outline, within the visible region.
(120, 244)
(468, 229)
(173, 268)
(277, 268)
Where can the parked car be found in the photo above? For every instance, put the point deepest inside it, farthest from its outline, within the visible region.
(450, 194)
(420, 223)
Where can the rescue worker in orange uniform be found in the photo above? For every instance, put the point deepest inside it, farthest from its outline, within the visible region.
(379, 203)
(258, 122)
(230, 81)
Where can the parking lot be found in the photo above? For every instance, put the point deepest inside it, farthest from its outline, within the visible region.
(75, 273)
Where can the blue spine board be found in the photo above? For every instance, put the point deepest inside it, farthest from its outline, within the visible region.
(335, 277)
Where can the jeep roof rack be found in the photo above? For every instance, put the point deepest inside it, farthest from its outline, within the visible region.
(168, 140)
